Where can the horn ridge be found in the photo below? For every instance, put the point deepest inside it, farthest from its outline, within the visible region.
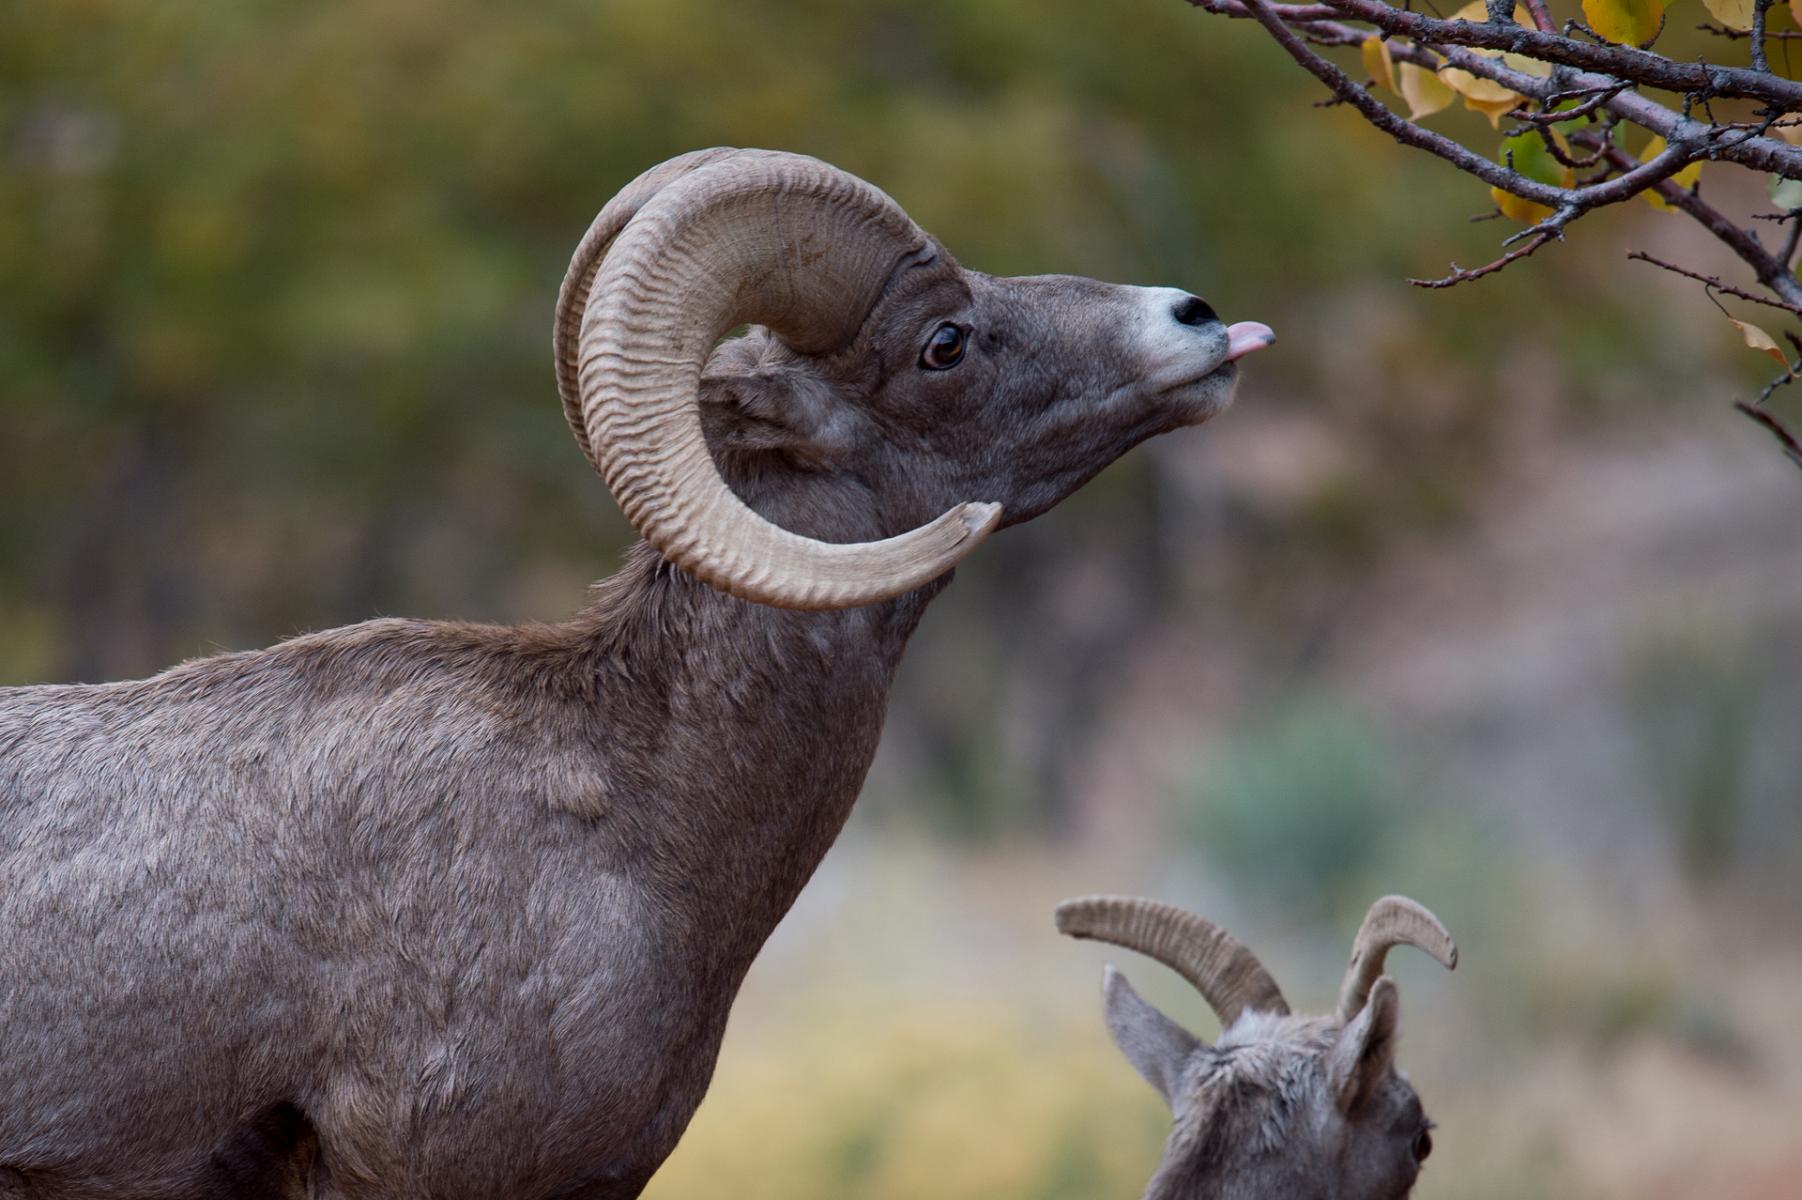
(1216, 964)
(1391, 921)
(723, 239)
(578, 281)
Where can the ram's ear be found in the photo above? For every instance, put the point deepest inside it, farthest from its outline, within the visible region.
(777, 407)
(1157, 1047)
(1365, 1053)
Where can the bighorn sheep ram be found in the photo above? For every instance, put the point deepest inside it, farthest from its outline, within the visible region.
(416, 909)
(1281, 1107)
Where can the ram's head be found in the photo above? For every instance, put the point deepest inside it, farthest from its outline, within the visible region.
(1281, 1107)
(887, 409)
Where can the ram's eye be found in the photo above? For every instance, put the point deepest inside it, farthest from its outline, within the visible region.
(1423, 1145)
(945, 348)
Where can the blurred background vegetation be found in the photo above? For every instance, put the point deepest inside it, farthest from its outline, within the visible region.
(1483, 595)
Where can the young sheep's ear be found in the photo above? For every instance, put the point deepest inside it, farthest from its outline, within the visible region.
(1366, 1049)
(776, 408)
(1156, 1046)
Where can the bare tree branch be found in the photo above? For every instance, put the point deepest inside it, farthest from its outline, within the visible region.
(1759, 62)
(1676, 155)
(1622, 62)
(1585, 89)
(1772, 273)
(1765, 417)
(1713, 281)
(1537, 238)
(1747, 149)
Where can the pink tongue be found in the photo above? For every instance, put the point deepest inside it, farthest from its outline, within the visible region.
(1246, 336)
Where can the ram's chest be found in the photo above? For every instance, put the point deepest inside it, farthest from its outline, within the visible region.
(581, 1077)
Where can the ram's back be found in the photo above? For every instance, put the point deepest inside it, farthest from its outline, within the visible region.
(244, 881)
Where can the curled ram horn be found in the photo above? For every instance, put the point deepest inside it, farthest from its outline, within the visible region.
(1215, 963)
(690, 250)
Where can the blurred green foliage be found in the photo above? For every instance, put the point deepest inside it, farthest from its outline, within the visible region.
(277, 279)
(1694, 703)
(276, 284)
(1304, 808)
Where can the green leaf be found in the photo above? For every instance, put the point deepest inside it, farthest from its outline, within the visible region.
(1786, 193)
(1530, 157)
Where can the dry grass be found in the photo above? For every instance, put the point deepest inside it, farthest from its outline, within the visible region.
(921, 1032)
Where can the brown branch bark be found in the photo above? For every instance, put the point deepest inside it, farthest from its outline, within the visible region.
(1745, 148)
(1677, 154)
(1622, 62)
(1773, 274)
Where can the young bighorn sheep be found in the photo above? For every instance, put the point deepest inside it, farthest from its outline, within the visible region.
(417, 909)
(1281, 1107)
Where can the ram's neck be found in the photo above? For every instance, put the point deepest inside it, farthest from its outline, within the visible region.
(743, 734)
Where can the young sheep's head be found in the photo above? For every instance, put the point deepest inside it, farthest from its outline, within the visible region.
(883, 392)
(1281, 1106)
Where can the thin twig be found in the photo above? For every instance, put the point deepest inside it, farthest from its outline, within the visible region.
(1396, 126)
(1734, 35)
(1765, 417)
(1770, 272)
(1538, 238)
(1622, 62)
(1714, 281)
(1603, 77)
(1598, 96)
(1673, 158)
(1759, 62)
(1542, 20)
(1759, 153)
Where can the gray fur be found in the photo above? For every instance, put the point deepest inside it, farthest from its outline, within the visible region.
(1284, 1107)
(415, 909)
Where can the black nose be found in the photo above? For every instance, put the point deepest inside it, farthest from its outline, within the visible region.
(1193, 310)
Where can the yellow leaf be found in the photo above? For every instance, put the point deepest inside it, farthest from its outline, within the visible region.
(1633, 22)
(1494, 110)
(1759, 340)
(1734, 14)
(1517, 209)
(1789, 128)
(1685, 179)
(1528, 66)
(1795, 11)
(1473, 87)
(1377, 62)
(1486, 92)
(1424, 91)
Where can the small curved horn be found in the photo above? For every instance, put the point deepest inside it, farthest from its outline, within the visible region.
(1214, 962)
(1392, 921)
(706, 243)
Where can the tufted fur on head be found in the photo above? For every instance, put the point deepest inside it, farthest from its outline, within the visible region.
(1281, 1107)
